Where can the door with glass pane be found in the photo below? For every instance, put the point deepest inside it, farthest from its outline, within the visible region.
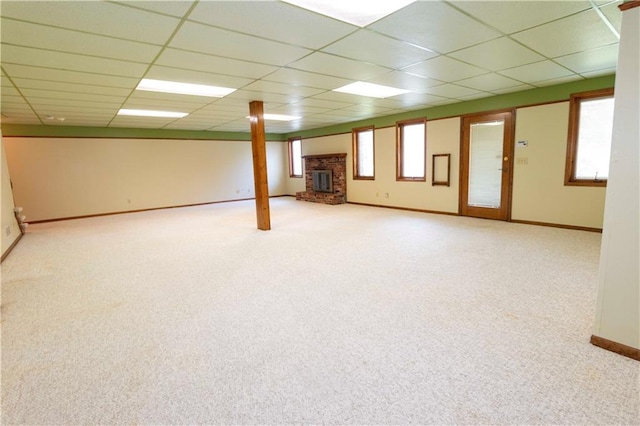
(486, 172)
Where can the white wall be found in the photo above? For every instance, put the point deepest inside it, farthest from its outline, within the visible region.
(67, 177)
(618, 309)
(10, 230)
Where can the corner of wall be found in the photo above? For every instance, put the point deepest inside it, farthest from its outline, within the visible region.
(10, 231)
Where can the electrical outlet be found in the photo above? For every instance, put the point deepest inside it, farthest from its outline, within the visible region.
(386, 195)
(7, 230)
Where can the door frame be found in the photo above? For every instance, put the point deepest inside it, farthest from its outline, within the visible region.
(504, 213)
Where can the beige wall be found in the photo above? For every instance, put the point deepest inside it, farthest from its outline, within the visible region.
(10, 230)
(67, 177)
(443, 136)
(73, 177)
(539, 193)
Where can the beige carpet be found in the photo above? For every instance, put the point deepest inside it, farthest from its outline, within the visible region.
(339, 315)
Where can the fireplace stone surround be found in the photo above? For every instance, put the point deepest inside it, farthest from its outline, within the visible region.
(337, 163)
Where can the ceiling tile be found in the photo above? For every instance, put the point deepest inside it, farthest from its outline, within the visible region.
(539, 71)
(346, 98)
(188, 125)
(403, 80)
(50, 94)
(322, 103)
(201, 38)
(304, 78)
(250, 95)
(381, 50)
(591, 60)
(560, 80)
(172, 97)
(89, 16)
(77, 115)
(49, 74)
(497, 54)
(338, 67)
(452, 91)
(513, 89)
(174, 74)
(613, 14)
(9, 91)
(42, 108)
(285, 89)
(445, 69)
(234, 126)
(488, 82)
(566, 40)
(295, 109)
(15, 104)
(62, 40)
(368, 109)
(513, 16)
(409, 100)
(599, 73)
(435, 26)
(70, 62)
(52, 102)
(213, 64)
(140, 122)
(26, 83)
(286, 23)
(175, 8)
(79, 122)
(135, 102)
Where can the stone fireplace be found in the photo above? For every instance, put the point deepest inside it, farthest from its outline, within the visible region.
(333, 165)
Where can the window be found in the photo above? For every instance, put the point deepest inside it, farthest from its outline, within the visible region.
(411, 143)
(363, 153)
(295, 157)
(589, 140)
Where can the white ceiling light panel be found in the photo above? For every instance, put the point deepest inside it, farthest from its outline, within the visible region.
(356, 12)
(371, 90)
(183, 88)
(152, 113)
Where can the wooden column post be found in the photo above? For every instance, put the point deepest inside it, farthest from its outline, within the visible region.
(258, 147)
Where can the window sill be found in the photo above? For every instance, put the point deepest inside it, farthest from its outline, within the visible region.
(593, 183)
(410, 179)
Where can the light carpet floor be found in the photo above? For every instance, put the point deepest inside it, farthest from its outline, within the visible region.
(338, 315)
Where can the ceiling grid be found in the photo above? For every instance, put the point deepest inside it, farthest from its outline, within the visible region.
(83, 60)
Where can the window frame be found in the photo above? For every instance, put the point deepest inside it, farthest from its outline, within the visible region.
(291, 159)
(400, 150)
(572, 138)
(355, 133)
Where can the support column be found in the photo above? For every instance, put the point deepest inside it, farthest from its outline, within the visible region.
(258, 147)
(617, 325)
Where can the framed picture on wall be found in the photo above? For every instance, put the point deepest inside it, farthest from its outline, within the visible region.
(440, 169)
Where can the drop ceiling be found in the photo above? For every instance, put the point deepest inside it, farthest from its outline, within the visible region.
(76, 63)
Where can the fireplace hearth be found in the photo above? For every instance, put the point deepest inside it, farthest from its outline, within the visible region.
(325, 179)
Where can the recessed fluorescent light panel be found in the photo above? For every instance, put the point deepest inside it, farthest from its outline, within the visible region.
(369, 89)
(152, 113)
(279, 117)
(183, 88)
(356, 12)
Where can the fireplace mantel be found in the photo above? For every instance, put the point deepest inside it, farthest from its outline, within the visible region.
(337, 163)
(341, 155)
